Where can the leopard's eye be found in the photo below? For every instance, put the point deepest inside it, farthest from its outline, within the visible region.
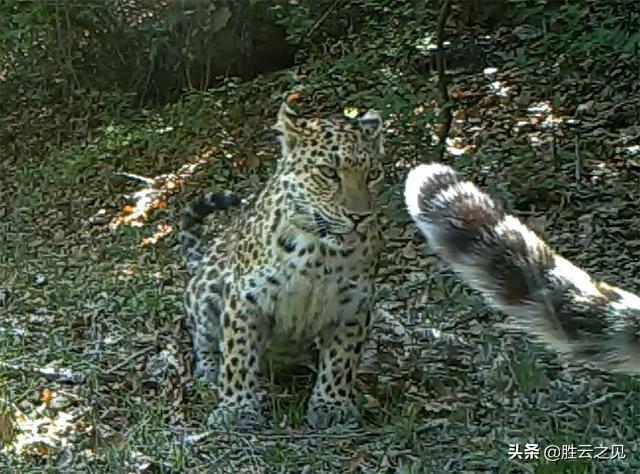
(328, 172)
(374, 174)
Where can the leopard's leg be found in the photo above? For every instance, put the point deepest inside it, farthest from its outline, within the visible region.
(241, 346)
(339, 358)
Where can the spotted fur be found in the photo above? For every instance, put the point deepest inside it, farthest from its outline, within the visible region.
(519, 274)
(294, 269)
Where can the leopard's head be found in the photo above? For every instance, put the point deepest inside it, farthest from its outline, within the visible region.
(330, 173)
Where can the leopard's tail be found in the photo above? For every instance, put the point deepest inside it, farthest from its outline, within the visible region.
(193, 218)
(519, 274)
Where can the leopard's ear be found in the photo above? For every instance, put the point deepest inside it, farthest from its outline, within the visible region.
(371, 125)
(288, 126)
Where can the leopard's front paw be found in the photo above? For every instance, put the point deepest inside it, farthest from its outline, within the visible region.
(324, 413)
(244, 417)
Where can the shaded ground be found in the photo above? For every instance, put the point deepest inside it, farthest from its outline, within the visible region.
(91, 283)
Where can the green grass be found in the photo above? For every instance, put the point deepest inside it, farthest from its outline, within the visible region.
(106, 298)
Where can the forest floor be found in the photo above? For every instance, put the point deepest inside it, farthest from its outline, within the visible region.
(92, 348)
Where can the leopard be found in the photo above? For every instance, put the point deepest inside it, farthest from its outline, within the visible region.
(294, 271)
(543, 294)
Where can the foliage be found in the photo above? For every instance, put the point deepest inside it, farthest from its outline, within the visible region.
(143, 48)
(311, 24)
(568, 29)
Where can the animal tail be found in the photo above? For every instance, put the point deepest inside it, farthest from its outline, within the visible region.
(193, 218)
(520, 275)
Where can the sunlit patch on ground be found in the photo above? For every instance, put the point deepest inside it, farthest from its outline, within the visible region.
(541, 124)
(428, 43)
(154, 196)
(457, 147)
(162, 230)
(632, 150)
(126, 270)
(351, 112)
(42, 432)
(499, 88)
(496, 87)
(542, 114)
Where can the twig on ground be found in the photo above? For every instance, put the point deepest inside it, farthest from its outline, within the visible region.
(301, 435)
(443, 82)
(55, 375)
(554, 149)
(68, 376)
(135, 177)
(133, 356)
(51, 374)
(578, 170)
(600, 400)
(321, 19)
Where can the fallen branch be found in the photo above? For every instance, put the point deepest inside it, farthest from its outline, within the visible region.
(321, 20)
(54, 375)
(133, 356)
(68, 376)
(445, 109)
(135, 177)
(600, 400)
(305, 435)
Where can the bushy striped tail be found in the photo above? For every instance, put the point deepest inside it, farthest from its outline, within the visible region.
(519, 274)
(193, 218)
